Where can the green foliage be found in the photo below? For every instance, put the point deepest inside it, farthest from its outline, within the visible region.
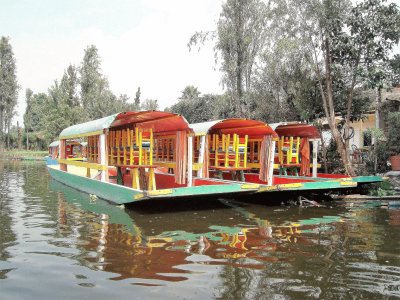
(8, 88)
(335, 163)
(196, 108)
(48, 114)
(381, 189)
(376, 159)
(150, 104)
(393, 134)
(240, 36)
(395, 70)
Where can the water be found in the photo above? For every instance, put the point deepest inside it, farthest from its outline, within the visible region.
(55, 243)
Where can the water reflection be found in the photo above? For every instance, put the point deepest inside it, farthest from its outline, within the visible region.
(234, 250)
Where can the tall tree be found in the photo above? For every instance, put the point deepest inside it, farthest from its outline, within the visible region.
(240, 37)
(347, 45)
(28, 115)
(137, 99)
(190, 92)
(8, 87)
(150, 104)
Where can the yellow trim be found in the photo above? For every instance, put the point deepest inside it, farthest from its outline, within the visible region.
(268, 188)
(197, 166)
(138, 196)
(165, 164)
(318, 166)
(74, 136)
(83, 164)
(160, 192)
(348, 183)
(253, 165)
(291, 185)
(250, 186)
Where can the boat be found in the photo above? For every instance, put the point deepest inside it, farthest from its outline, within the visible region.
(74, 150)
(136, 156)
(267, 156)
(294, 142)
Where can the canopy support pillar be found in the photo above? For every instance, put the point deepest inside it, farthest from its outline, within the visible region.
(190, 161)
(201, 155)
(271, 163)
(314, 158)
(102, 153)
(63, 143)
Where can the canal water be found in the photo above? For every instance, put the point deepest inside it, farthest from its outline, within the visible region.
(57, 243)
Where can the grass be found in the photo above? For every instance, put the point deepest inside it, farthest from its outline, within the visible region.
(23, 153)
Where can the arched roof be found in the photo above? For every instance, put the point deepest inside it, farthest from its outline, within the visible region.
(159, 121)
(238, 126)
(296, 129)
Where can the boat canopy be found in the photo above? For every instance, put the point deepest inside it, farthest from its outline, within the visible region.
(54, 144)
(296, 129)
(142, 119)
(251, 128)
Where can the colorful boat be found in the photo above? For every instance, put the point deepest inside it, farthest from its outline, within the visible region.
(294, 152)
(253, 152)
(134, 156)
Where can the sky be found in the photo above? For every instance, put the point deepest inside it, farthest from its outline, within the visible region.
(142, 43)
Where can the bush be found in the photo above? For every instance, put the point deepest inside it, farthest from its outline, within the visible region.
(393, 134)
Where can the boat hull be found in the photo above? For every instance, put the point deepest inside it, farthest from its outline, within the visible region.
(120, 194)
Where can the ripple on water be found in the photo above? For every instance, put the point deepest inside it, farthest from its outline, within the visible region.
(51, 233)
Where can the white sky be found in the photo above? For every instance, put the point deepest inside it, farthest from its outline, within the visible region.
(141, 43)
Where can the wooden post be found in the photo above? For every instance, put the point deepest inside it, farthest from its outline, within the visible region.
(271, 163)
(103, 157)
(190, 160)
(201, 155)
(63, 167)
(314, 158)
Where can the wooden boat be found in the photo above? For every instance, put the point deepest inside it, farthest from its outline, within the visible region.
(134, 156)
(74, 150)
(250, 151)
(294, 154)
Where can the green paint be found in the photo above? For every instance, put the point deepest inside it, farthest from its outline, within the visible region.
(88, 127)
(108, 191)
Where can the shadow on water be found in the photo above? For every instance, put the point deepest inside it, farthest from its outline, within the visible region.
(224, 248)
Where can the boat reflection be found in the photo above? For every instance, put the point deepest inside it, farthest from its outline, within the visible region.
(148, 246)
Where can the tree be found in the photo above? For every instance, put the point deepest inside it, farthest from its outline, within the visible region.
(149, 104)
(347, 50)
(28, 115)
(8, 88)
(196, 108)
(97, 99)
(190, 92)
(69, 84)
(240, 37)
(137, 99)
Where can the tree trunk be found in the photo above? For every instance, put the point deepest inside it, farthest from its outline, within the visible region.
(1, 129)
(19, 136)
(8, 133)
(327, 97)
(27, 140)
(379, 120)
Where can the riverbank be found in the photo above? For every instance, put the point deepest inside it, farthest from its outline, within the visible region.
(23, 155)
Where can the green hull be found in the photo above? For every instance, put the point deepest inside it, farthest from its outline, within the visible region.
(309, 186)
(120, 194)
